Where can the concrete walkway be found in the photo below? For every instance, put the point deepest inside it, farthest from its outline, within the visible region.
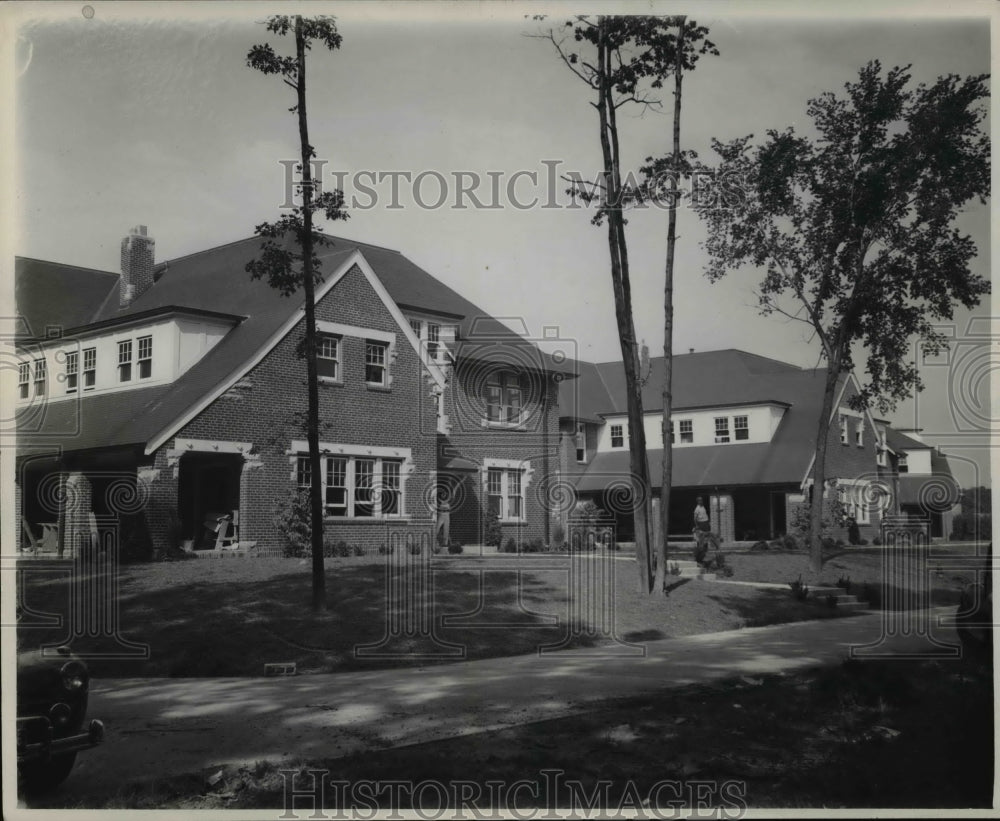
(165, 727)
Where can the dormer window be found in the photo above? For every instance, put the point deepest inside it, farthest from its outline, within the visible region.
(89, 368)
(40, 373)
(687, 431)
(617, 436)
(23, 379)
(504, 398)
(72, 371)
(125, 360)
(721, 429)
(145, 359)
(903, 466)
(741, 427)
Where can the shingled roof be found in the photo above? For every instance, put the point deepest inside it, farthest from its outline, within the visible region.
(214, 280)
(50, 294)
(784, 460)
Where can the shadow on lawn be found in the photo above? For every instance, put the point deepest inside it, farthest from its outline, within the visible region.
(220, 628)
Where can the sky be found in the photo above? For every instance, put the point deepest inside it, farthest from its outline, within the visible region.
(147, 114)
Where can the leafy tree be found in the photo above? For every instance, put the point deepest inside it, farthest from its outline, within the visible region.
(620, 59)
(854, 227)
(288, 258)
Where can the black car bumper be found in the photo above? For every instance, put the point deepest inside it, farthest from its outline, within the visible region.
(35, 741)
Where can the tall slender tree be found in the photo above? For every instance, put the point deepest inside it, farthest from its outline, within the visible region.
(855, 229)
(288, 258)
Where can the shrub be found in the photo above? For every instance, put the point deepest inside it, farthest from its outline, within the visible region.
(383, 550)
(558, 533)
(877, 541)
(717, 564)
(358, 550)
(799, 590)
(790, 542)
(415, 548)
(510, 546)
(292, 517)
(864, 542)
(438, 547)
(675, 569)
(341, 549)
(454, 548)
(492, 534)
(535, 546)
(853, 533)
(759, 546)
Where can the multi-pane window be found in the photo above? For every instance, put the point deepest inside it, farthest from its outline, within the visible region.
(125, 360)
(505, 493)
(335, 492)
(417, 325)
(23, 379)
(375, 363)
(504, 397)
(741, 427)
(89, 368)
(855, 506)
(617, 436)
(687, 431)
(859, 433)
(328, 357)
(581, 442)
(903, 466)
(356, 486)
(72, 371)
(843, 429)
(433, 339)
(880, 450)
(721, 429)
(40, 373)
(145, 357)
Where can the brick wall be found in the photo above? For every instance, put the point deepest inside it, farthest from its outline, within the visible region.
(262, 408)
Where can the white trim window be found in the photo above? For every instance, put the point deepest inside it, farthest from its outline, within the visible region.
(433, 340)
(721, 429)
(504, 398)
(687, 431)
(72, 370)
(89, 368)
(852, 498)
(844, 435)
(741, 428)
(125, 360)
(859, 433)
(376, 363)
(880, 449)
(328, 357)
(357, 487)
(903, 466)
(505, 493)
(145, 356)
(580, 442)
(40, 374)
(617, 436)
(23, 379)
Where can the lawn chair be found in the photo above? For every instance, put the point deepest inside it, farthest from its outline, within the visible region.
(224, 529)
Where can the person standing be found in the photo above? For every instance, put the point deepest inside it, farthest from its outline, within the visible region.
(702, 530)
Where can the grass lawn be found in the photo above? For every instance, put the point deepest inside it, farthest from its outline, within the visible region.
(230, 617)
(889, 734)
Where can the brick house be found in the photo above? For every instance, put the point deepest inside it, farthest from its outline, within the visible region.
(743, 432)
(158, 400)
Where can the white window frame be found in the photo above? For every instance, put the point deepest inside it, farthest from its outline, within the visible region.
(373, 345)
(89, 373)
(41, 375)
(507, 385)
(859, 433)
(851, 494)
(510, 473)
(72, 371)
(620, 435)
(737, 427)
(298, 455)
(144, 356)
(580, 443)
(686, 428)
(433, 340)
(24, 380)
(722, 436)
(124, 360)
(881, 451)
(323, 352)
(844, 434)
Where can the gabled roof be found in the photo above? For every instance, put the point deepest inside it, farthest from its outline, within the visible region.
(900, 441)
(52, 294)
(708, 379)
(783, 460)
(216, 280)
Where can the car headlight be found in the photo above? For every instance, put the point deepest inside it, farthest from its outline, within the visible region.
(73, 675)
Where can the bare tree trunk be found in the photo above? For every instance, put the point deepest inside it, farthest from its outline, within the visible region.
(668, 321)
(312, 420)
(623, 314)
(819, 470)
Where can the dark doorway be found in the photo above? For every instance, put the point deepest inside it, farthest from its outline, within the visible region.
(208, 486)
(779, 524)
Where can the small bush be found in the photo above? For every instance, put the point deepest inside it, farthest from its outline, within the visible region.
(877, 541)
(853, 533)
(510, 546)
(383, 550)
(675, 569)
(717, 564)
(454, 548)
(492, 534)
(760, 546)
(535, 546)
(828, 543)
(840, 543)
(415, 548)
(558, 533)
(357, 550)
(799, 589)
(292, 518)
(790, 542)
(342, 549)
(437, 548)
(863, 543)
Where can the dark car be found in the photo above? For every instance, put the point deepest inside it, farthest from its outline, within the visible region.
(52, 692)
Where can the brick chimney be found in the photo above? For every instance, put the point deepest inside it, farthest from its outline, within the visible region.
(137, 265)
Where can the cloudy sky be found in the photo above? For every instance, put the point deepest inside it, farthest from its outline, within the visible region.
(130, 116)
